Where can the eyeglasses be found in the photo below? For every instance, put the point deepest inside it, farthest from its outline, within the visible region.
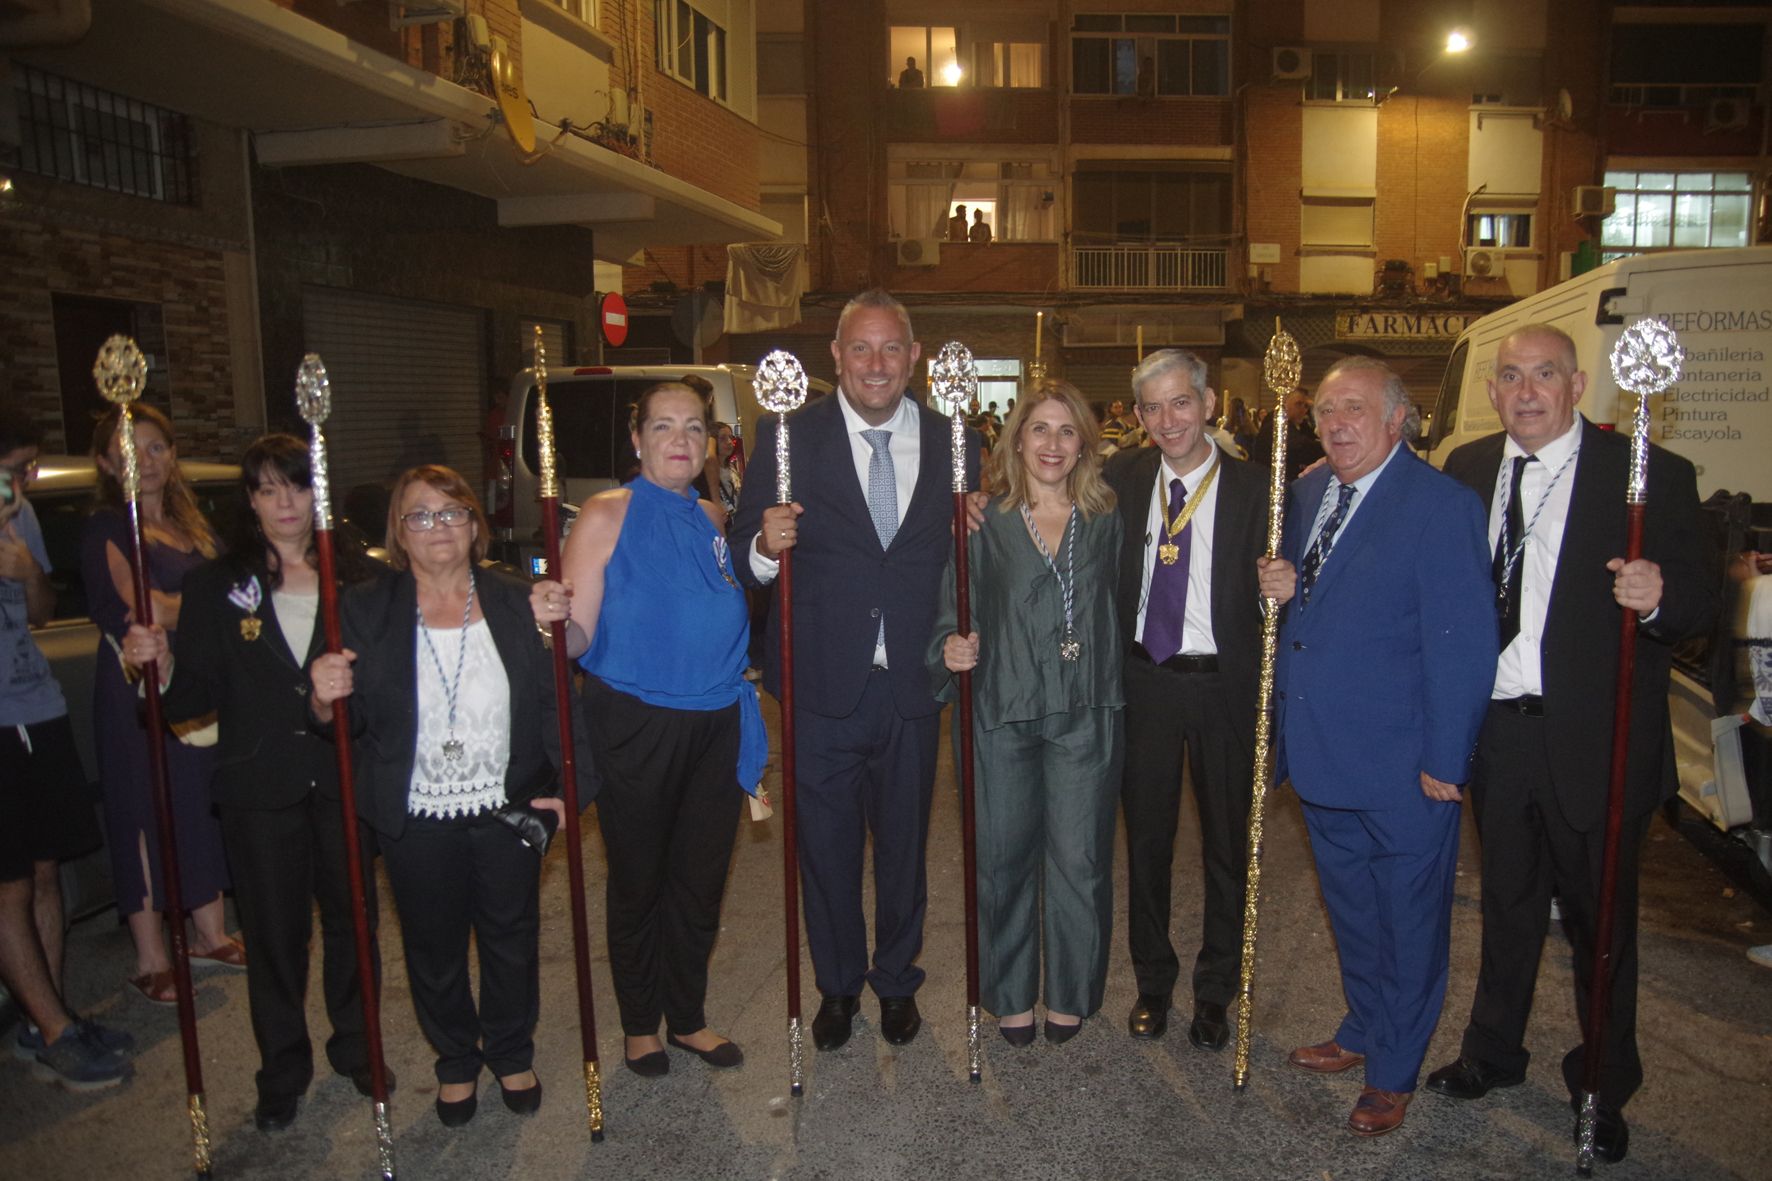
(424, 519)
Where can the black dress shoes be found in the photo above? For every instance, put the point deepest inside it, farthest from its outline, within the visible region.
(654, 1065)
(899, 1019)
(1019, 1036)
(836, 1016)
(274, 1113)
(1058, 1033)
(1471, 1078)
(524, 1102)
(1209, 1030)
(360, 1079)
(724, 1056)
(1611, 1133)
(1149, 1018)
(458, 1113)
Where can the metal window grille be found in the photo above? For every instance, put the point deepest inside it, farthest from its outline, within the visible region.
(80, 133)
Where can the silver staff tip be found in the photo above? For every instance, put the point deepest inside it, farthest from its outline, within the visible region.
(954, 376)
(120, 370)
(780, 382)
(313, 391)
(1647, 358)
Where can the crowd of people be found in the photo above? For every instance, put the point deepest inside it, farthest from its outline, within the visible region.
(1443, 633)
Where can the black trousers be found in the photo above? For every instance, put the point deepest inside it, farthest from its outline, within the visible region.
(668, 809)
(284, 860)
(450, 878)
(1529, 851)
(870, 772)
(1172, 716)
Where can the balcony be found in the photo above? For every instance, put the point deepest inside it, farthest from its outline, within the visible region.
(1151, 266)
(944, 114)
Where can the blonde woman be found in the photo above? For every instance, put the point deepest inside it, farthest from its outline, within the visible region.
(1046, 662)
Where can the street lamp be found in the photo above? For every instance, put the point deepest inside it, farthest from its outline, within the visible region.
(1458, 41)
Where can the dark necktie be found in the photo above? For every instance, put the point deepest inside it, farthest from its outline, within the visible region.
(1512, 528)
(1165, 610)
(1319, 553)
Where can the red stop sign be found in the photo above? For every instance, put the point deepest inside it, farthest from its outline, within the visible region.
(614, 316)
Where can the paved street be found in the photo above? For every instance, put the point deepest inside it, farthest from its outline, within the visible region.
(1099, 1107)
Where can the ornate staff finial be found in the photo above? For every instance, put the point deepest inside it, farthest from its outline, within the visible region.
(121, 371)
(781, 387)
(1646, 361)
(1281, 366)
(313, 401)
(548, 476)
(954, 379)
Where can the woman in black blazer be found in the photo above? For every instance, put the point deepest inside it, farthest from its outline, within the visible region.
(452, 712)
(242, 651)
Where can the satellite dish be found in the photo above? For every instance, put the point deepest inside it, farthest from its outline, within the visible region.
(513, 104)
(698, 320)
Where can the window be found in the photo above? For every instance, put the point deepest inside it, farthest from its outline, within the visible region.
(1497, 228)
(922, 55)
(1144, 205)
(1342, 77)
(691, 47)
(1012, 64)
(1150, 55)
(79, 133)
(1016, 195)
(1336, 221)
(1681, 64)
(1676, 210)
(584, 10)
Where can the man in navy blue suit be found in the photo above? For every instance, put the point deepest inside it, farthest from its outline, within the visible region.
(871, 527)
(1386, 659)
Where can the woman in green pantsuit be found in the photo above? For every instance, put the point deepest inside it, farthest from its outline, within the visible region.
(1046, 715)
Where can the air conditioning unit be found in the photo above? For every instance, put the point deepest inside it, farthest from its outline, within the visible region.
(1595, 200)
(1726, 114)
(1291, 63)
(919, 252)
(1483, 262)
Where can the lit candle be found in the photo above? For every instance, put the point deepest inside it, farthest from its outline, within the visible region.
(1141, 342)
(1039, 323)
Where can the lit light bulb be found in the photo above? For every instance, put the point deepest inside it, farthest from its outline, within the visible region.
(951, 73)
(1457, 41)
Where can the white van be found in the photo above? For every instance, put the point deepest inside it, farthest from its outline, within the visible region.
(1720, 304)
(1719, 417)
(593, 450)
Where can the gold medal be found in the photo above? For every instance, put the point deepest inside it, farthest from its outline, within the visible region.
(250, 627)
(1169, 552)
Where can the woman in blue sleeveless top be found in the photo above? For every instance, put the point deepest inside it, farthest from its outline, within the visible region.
(658, 620)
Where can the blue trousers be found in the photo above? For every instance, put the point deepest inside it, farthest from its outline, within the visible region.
(1387, 880)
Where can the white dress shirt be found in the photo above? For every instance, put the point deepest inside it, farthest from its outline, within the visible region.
(1196, 631)
(906, 448)
(1544, 509)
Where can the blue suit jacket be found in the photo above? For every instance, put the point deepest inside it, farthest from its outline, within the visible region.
(843, 580)
(1387, 672)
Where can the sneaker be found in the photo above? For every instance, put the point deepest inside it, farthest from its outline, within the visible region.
(79, 1063)
(1761, 955)
(29, 1042)
(114, 1041)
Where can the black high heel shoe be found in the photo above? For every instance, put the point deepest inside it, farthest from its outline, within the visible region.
(1019, 1036)
(457, 1113)
(1059, 1033)
(524, 1102)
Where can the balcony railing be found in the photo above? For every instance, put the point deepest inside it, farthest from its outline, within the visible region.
(1153, 267)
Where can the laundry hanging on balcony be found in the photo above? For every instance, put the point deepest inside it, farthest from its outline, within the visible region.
(764, 283)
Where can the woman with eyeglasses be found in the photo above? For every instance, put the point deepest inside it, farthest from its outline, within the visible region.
(452, 730)
(251, 625)
(657, 618)
(177, 538)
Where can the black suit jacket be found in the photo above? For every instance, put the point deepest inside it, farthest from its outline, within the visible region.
(379, 622)
(268, 756)
(1239, 536)
(843, 580)
(1580, 644)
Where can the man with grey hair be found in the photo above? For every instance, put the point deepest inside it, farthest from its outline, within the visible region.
(870, 523)
(1384, 670)
(1190, 621)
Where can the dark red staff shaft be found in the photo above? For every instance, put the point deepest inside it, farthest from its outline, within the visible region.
(575, 856)
(1599, 994)
(790, 833)
(347, 805)
(171, 889)
(968, 811)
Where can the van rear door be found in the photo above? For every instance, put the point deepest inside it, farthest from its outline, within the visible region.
(594, 450)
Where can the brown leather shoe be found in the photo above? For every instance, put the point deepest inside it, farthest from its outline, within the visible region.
(1324, 1058)
(1378, 1112)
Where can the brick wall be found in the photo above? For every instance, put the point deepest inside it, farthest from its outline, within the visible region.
(1272, 172)
(1175, 121)
(848, 180)
(1423, 156)
(998, 267)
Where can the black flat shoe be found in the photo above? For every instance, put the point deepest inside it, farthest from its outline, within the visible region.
(654, 1065)
(1019, 1036)
(1209, 1029)
(274, 1114)
(524, 1102)
(1149, 1018)
(899, 1019)
(1469, 1078)
(458, 1113)
(1058, 1033)
(724, 1056)
(835, 1020)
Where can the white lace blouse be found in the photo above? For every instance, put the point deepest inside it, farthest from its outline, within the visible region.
(474, 781)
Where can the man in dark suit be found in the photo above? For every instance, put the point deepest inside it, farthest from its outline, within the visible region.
(1557, 529)
(1191, 622)
(1303, 448)
(1382, 681)
(871, 528)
